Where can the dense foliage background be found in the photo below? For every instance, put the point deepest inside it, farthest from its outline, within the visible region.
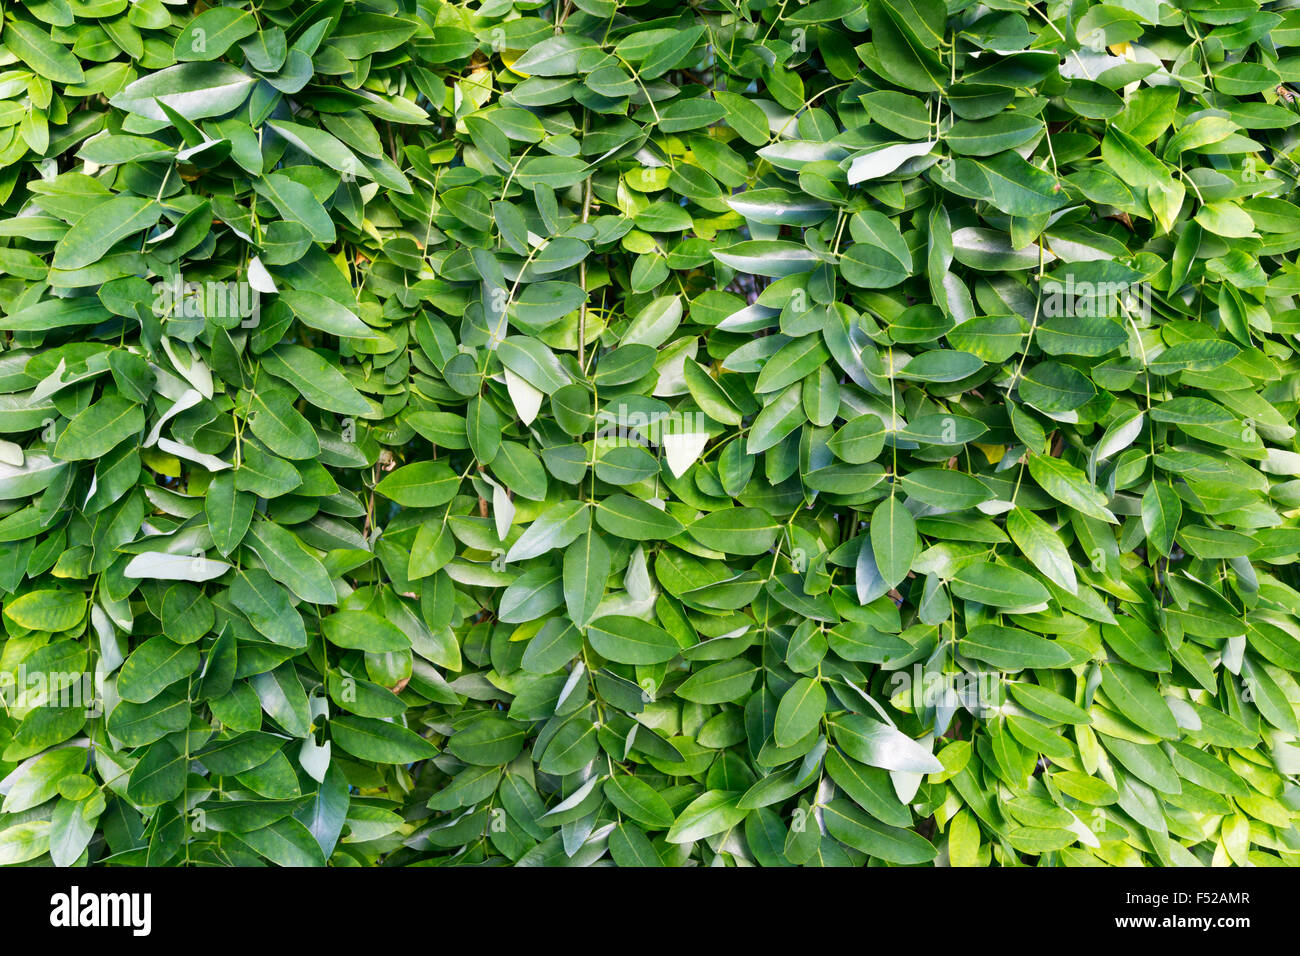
(715, 433)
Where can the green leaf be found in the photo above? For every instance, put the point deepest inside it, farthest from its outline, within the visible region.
(210, 34)
(362, 630)
(1161, 512)
(97, 430)
(987, 137)
(586, 568)
(712, 812)
(637, 799)
(1055, 388)
(229, 512)
(278, 424)
(904, 57)
(1137, 699)
(489, 741)
(153, 666)
(630, 640)
(315, 379)
(880, 259)
(854, 828)
(291, 564)
(379, 741)
(1043, 547)
(268, 608)
(998, 586)
(893, 540)
(192, 90)
(45, 610)
(46, 58)
(634, 519)
(424, 484)
(38, 781)
(1010, 648)
(869, 787)
(1012, 185)
(719, 683)
(1069, 486)
(879, 745)
(800, 711)
(286, 842)
(735, 530)
(103, 227)
(629, 846)
(767, 257)
(296, 203)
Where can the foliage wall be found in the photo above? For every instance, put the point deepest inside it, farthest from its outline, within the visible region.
(716, 433)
